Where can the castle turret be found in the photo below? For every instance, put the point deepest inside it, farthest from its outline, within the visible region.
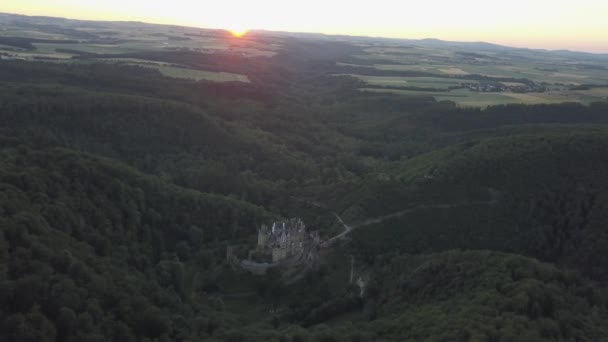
(283, 239)
(263, 236)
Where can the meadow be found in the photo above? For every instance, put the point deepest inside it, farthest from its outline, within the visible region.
(464, 97)
(449, 67)
(566, 77)
(196, 75)
(418, 82)
(124, 38)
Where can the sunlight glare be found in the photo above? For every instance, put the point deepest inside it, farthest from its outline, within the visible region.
(553, 24)
(238, 32)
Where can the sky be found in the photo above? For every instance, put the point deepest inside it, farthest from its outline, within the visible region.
(580, 25)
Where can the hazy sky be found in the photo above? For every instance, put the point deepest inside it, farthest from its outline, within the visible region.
(552, 24)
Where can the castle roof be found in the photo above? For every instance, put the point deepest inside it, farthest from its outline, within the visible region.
(290, 226)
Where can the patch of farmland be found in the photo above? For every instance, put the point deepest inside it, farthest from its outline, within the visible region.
(453, 71)
(402, 92)
(195, 75)
(601, 93)
(89, 48)
(420, 82)
(474, 99)
(402, 67)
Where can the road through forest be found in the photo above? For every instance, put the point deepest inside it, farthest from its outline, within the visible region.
(349, 228)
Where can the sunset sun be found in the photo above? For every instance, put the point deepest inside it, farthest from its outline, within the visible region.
(238, 32)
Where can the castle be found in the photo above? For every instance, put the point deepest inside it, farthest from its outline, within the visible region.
(283, 240)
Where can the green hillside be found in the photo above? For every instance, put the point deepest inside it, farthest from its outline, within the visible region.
(88, 243)
(539, 194)
(479, 296)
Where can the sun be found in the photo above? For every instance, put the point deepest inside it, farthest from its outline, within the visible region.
(238, 32)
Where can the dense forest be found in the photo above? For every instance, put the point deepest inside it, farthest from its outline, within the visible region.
(122, 188)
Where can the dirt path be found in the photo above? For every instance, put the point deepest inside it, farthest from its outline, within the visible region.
(349, 228)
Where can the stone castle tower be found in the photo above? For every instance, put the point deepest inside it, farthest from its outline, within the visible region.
(282, 240)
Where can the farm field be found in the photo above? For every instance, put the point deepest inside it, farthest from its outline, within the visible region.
(383, 64)
(123, 38)
(419, 82)
(563, 77)
(536, 66)
(569, 75)
(466, 98)
(92, 48)
(172, 70)
(196, 75)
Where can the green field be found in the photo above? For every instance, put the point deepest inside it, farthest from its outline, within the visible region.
(131, 39)
(464, 97)
(535, 66)
(198, 75)
(419, 82)
(94, 48)
(570, 75)
(187, 73)
(558, 73)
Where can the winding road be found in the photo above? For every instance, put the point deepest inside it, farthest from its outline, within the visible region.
(349, 228)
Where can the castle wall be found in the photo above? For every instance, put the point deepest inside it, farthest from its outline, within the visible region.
(255, 268)
(283, 240)
(262, 239)
(278, 254)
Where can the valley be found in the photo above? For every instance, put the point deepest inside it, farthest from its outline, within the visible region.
(464, 184)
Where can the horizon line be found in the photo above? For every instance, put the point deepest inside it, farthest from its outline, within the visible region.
(353, 35)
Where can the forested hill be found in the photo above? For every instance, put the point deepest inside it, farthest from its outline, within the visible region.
(537, 193)
(121, 189)
(92, 247)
